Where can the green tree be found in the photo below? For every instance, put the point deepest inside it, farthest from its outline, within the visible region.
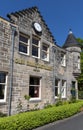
(80, 78)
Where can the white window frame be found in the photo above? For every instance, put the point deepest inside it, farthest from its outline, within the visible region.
(36, 98)
(25, 43)
(63, 89)
(58, 86)
(63, 60)
(36, 47)
(5, 90)
(46, 52)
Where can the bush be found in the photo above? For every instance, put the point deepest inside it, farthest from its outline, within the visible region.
(80, 94)
(59, 102)
(30, 120)
(2, 114)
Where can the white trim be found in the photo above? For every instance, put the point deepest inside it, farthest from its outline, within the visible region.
(36, 98)
(63, 95)
(63, 60)
(27, 44)
(5, 91)
(47, 52)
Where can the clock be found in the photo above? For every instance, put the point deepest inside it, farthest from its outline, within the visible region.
(37, 27)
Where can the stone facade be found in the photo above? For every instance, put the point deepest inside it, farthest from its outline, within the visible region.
(41, 69)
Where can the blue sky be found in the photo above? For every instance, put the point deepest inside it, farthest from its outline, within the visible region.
(60, 15)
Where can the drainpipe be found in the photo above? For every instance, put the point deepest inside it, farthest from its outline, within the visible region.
(53, 51)
(13, 29)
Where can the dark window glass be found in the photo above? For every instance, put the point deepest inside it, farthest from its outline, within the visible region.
(34, 91)
(44, 55)
(34, 87)
(35, 51)
(35, 41)
(34, 81)
(44, 48)
(56, 91)
(2, 77)
(22, 48)
(23, 39)
(56, 82)
(2, 87)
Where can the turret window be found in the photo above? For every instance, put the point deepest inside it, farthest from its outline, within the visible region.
(78, 64)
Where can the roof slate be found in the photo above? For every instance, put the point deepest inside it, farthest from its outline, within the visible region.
(70, 41)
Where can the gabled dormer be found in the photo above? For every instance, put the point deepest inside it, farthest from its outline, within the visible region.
(31, 17)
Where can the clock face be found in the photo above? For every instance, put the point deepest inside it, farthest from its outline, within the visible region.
(37, 27)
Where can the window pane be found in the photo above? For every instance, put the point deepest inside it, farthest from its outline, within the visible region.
(56, 82)
(34, 51)
(35, 41)
(34, 91)
(2, 77)
(23, 39)
(22, 48)
(63, 82)
(2, 87)
(34, 86)
(45, 48)
(44, 55)
(34, 81)
(56, 91)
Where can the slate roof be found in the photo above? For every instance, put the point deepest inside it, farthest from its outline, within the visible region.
(30, 11)
(70, 41)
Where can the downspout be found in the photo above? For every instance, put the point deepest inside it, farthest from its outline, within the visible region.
(13, 29)
(54, 51)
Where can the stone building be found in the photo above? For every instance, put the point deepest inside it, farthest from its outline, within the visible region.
(32, 64)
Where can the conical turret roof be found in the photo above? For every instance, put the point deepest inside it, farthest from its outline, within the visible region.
(70, 41)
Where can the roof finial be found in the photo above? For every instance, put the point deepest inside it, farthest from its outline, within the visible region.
(70, 31)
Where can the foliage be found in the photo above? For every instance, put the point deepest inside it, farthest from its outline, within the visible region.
(27, 98)
(59, 102)
(80, 78)
(47, 105)
(31, 120)
(2, 114)
(80, 94)
(19, 106)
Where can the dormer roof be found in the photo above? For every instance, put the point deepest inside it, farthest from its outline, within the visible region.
(70, 41)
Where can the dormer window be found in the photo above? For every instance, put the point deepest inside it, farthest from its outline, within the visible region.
(63, 60)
